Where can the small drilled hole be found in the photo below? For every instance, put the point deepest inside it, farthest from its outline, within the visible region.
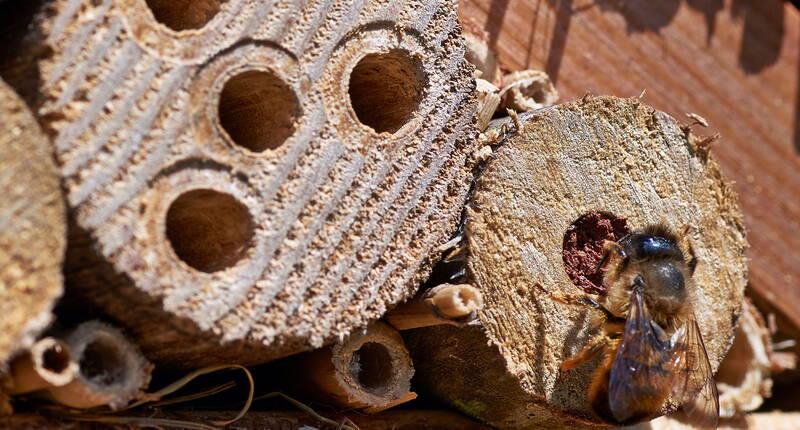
(583, 248)
(209, 230)
(258, 110)
(184, 14)
(55, 359)
(371, 366)
(386, 89)
(103, 362)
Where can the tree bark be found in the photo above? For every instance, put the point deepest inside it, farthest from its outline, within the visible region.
(251, 179)
(32, 227)
(609, 155)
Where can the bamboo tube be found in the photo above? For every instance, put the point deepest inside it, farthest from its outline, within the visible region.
(370, 369)
(444, 304)
(32, 227)
(488, 101)
(480, 54)
(528, 90)
(48, 363)
(111, 370)
(568, 178)
(250, 179)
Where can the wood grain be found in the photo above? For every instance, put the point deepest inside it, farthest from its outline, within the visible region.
(735, 62)
(605, 154)
(250, 179)
(32, 227)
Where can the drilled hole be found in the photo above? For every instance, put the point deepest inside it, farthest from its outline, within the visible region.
(583, 248)
(55, 358)
(386, 89)
(184, 14)
(258, 110)
(209, 230)
(371, 366)
(103, 362)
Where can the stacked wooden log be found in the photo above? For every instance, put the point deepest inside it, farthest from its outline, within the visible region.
(251, 179)
(247, 181)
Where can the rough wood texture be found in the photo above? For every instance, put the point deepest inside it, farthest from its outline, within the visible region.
(250, 179)
(604, 154)
(32, 227)
(736, 63)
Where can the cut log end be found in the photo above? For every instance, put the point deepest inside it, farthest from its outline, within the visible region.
(253, 177)
(573, 173)
(32, 227)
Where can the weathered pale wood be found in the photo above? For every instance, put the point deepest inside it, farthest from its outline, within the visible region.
(32, 227)
(617, 156)
(733, 62)
(251, 179)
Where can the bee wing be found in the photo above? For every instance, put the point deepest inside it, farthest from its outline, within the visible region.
(640, 377)
(695, 389)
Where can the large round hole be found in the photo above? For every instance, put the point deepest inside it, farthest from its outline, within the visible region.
(386, 89)
(103, 362)
(209, 230)
(184, 14)
(258, 110)
(371, 366)
(583, 248)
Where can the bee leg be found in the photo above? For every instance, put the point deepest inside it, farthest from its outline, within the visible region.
(582, 300)
(592, 349)
(614, 260)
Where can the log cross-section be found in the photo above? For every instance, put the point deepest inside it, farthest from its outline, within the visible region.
(250, 179)
(604, 155)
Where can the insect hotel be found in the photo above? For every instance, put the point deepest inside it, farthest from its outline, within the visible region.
(430, 214)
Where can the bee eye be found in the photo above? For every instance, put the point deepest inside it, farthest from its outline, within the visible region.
(654, 246)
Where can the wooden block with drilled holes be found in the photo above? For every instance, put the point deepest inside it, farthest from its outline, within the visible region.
(250, 179)
(32, 227)
(571, 176)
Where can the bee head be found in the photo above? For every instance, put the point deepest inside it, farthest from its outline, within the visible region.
(662, 270)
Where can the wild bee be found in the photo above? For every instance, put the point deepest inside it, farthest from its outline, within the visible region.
(647, 333)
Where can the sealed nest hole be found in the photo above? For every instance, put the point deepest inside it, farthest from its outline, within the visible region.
(583, 248)
(182, 15)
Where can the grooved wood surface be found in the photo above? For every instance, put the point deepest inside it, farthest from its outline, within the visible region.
(735, 62)
(230, 203)
(599, 154)
(32, 227)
